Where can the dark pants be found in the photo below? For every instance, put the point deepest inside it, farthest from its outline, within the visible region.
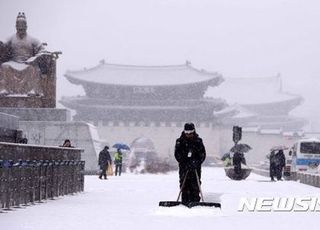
(118, 169)
(190, 190)
(103, 171)
(276, 171)
(279, 170)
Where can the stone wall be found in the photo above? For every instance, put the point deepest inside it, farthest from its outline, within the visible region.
(163, 137)
(8, 121)
(13, 151)
(217, 140)
(53, 133)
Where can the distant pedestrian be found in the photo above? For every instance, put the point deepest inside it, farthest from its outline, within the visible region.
(118, 162)
(67, 143)
(277, 163)
(272, 159)
(104, 160)
(280, 164)
(238, 159)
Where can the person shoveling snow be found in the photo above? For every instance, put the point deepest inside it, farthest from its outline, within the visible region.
(190, 154)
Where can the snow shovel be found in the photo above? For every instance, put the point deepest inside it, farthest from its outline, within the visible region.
(202, 202)
(174, 203)
(191, 204)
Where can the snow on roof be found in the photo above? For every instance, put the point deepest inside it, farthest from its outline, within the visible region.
(236, 111)
(227, 111)
(116, 74)
(243, 112)
(311, 139)
(293, 133)
(251, 129)
(250, 91)
(270, 131)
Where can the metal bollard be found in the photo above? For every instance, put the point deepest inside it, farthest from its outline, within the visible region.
(45, 179)
(39, 186)
(78, 175)
(82, 175)
(28, 182)
(8, 185)
(50, 179)
(56, 190)
(33, 166)
(72, 166)
(2, 188)
(66, 177)
(61, 178)
(17, 173)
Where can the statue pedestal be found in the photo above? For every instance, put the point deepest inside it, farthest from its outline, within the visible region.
(25, 101)
(38, 114)
(51, 126)
(33, 86)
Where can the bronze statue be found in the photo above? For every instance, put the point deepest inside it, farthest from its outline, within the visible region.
(22, 46)
(24, 63)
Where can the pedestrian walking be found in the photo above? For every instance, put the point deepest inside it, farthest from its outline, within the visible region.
(118, 162)
(104, 160)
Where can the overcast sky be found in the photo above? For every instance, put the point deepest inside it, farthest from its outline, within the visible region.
(237, 38)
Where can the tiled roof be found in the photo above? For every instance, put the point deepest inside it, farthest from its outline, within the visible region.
(251, 91)
(115, 74)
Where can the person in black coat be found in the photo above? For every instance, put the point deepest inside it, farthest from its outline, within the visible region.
(272, 159)
(104, 159)
(190, 153)
(238, 159)
(280, 163)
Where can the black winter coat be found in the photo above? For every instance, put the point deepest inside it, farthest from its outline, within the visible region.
(104, 158)
(190, 152)
(238, 159)
(280, 159)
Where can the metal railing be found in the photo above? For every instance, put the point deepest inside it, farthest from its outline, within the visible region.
(23, 183)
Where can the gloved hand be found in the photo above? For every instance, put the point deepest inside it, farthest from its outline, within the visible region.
(192, 165)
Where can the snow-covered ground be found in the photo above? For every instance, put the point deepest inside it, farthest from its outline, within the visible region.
(131, 202)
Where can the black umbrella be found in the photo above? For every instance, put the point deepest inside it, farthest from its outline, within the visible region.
(279, 147)
(242, 148)
(245, 172)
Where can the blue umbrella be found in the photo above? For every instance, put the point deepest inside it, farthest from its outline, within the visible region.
(121, 146)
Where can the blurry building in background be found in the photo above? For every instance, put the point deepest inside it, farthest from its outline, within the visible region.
(144, 94)
(127, 102)
(258, 102)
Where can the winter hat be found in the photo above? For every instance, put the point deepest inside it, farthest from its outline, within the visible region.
(189, 128)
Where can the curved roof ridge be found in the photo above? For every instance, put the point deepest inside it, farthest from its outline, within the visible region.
(202, 71)
(103, 63)
(85, 69)
(144, 66)
(108, 73)
(248, 78)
